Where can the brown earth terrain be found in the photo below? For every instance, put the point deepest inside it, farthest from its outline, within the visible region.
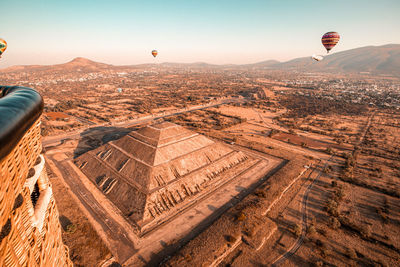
(85, 246)
(325, 190)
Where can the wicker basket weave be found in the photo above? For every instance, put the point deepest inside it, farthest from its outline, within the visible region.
(22, 244)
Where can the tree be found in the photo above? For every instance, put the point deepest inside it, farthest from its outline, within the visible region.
(297, 230)
(329, 150)
(351, 253)
(335, 223)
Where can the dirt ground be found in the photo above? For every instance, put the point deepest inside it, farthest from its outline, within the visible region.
(363, 238)
(353, 216)
(306, 141)
(85, 246)
(356, 234)
(56, 115)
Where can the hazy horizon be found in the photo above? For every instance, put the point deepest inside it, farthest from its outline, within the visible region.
(172, 62)
(227, 32)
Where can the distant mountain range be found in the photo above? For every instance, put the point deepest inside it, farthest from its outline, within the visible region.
(374, 59)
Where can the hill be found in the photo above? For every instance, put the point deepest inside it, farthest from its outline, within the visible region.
(374, 59)
(264, 64)
(82, 63)
(77, 64)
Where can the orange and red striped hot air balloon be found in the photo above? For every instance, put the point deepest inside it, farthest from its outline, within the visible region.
(3, 46)
(154, 53)
(329, 40)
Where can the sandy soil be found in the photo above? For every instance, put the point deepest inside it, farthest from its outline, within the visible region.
(143, 249)
(56, 115)
(85, 246)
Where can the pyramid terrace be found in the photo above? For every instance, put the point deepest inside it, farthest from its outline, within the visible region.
(156, 172)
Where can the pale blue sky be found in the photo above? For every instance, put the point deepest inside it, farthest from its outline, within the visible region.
(213, 31)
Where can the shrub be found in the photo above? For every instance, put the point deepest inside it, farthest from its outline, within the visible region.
(230, 239)
(339, 193)
(329, 150)
(366, 231)
(351, 253)
(297, 230)
(313, 221)
(318, 263)
(311, 230)
(327, 169)
(273, 132)
(332, 208)
(383, 263)
(322, 231)
(71, 228)
(324, 252)
(319, 243)
(240, 217)
(260, 193)
(334, 222)
(188, 257)
(382, 214)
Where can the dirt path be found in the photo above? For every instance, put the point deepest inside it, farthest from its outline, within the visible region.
(366, 128)
(117, 237)
(120, 237)
(300, 240)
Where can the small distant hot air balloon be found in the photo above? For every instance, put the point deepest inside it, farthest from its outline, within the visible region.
(317, 57)
(154, 53)
(3, 46)
(329, 40)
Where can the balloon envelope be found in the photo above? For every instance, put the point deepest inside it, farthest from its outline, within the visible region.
(3, 46)
(329, 40)
(317, 57)
(154, 53)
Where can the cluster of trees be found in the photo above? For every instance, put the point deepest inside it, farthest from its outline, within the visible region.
(334, 202)
(348, 176)
(212, 119)
(302, 106)
(142, 107)
(46, 129)
(65, 105)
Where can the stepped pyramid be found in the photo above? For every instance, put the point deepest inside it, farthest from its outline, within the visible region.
(153, 173)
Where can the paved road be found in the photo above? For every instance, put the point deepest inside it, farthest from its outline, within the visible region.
(300, 240)
(117, 235)
(52, 140)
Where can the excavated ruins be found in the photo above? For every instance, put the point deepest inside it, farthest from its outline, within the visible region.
(154, 173)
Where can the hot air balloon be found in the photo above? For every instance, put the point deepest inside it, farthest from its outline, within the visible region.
(154, 53)
(3, 46)
(329, 40)
(317, 57)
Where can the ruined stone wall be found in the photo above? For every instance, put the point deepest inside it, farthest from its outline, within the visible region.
(161, 202)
